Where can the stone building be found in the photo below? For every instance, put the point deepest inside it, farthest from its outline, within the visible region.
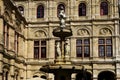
(27, 42)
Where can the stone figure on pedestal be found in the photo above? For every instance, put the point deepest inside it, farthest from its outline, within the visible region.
(58, 49)
(62, 17)
(67, 47)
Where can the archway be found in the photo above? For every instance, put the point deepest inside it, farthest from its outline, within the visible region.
(106, 75)
(84, 75)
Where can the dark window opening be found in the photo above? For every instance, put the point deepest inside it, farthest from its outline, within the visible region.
(104, 8)
(40, 11)
(82, 9)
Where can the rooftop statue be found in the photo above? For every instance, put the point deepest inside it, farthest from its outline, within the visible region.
(62, 17)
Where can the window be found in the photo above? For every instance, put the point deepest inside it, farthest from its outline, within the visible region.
(6, 35)
(82, 9)
(104, 8)
(40, 11)
(39, 49)
(83, 48)
(59, 7)
(105, 47)
(21, 10)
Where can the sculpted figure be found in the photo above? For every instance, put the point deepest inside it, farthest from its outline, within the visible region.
(58, 49)
(62, 17)
(67, 47)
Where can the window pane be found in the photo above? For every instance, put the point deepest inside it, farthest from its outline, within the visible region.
(86, 41)
(43, 52)
(36, 43)
(82, 9)
(43, 42)
(101, 51)
(86, 51)
(40, 11)
(108, 41)
(79, 51)
(101, 41)
(79, 42)
(108, 51)
(36, 52)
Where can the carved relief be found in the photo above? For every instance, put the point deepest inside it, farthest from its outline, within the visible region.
(105, 31)
(40, 34)
(82, 32)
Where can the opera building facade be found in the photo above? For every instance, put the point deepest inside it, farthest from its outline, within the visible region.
(27, 42)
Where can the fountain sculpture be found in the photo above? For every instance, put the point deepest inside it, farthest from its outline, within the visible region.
(63, 67)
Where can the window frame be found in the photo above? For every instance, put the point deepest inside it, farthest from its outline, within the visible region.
(40, 46)
(105, 52)
(104, 9)
(40, 11)
(82, 9)
(82, 46)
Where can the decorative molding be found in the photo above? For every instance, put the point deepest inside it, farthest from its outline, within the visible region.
(40, 33)
(82, 32)
(105, 31)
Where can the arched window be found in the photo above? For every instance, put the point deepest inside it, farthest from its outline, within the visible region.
(21, 9)
(59, 7)
(40, 11)
(104, 8)
(82, 9)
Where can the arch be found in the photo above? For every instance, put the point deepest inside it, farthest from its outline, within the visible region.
(40, 11)
(82, 9)
(105, 31)
(104, 8)
(83, 32)
(43, 76)
(59, 7)
(40, 33)
(84, 75)
(106, 75)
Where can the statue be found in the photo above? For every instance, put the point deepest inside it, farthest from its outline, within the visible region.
(58, 49)
(67, 47)
(62, 17)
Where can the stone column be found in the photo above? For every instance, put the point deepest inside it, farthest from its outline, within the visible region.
(11, 42)
(116, 3)
(12, 62)
(95, 72)
(95, 48)
(21, 74)
(21, 47)
(29, 73)
(73, 48)
(1, 66)
(51, 47)
(93, 7)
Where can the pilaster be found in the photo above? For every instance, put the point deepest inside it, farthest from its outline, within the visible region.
(73, 46)
(11, 42)
(1, 66)
(12, 68)
(51, 49)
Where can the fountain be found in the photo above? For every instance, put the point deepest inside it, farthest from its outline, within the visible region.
(62, 68)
